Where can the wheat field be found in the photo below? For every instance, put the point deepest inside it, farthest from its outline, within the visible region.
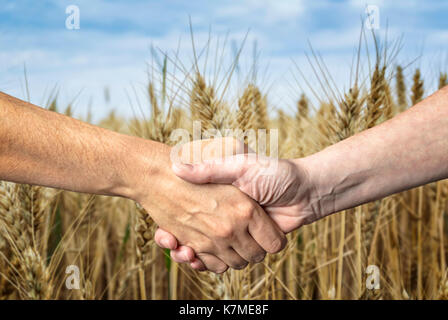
(43, 231)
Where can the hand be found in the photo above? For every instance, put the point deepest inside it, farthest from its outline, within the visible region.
(221, 224)
(282, 187)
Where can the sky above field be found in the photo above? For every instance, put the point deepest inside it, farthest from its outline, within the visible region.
(112, 47)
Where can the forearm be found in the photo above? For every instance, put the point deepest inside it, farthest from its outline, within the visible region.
(49, 149)
(404, 152)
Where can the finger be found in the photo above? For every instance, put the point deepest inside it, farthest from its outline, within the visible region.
(198, 265)
(249, 249)
(183, 254)
(165, 239)
(212, 263)
(226, 170)
(231, 258)
(265, 232)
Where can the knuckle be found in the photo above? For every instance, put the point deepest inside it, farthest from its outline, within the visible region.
(224, 232)
(246, 210)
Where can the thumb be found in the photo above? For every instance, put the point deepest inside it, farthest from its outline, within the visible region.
(226, 170)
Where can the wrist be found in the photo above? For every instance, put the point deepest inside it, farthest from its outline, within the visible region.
(145, 162)
(311, 198)
(327, 183)
(319, 185)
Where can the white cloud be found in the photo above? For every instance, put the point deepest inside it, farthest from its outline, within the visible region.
(104, 54)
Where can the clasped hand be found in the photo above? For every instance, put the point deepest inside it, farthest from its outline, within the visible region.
(253, 202)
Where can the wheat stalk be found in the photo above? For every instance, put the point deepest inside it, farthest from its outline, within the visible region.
(417, 88)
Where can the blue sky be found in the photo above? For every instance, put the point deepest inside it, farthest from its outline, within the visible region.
(112, 47)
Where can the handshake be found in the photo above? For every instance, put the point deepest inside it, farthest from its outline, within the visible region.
(231, 206)
(225, 206)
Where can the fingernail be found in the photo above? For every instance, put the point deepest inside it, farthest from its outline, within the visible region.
(165, 242)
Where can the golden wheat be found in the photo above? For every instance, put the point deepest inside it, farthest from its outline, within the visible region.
(110, 239)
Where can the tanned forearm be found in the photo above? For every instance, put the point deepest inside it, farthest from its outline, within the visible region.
(45, 148)
(404, 152)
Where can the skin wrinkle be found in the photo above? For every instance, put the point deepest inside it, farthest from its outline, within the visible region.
(286, 186)
(270, 190)
(267, 189)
